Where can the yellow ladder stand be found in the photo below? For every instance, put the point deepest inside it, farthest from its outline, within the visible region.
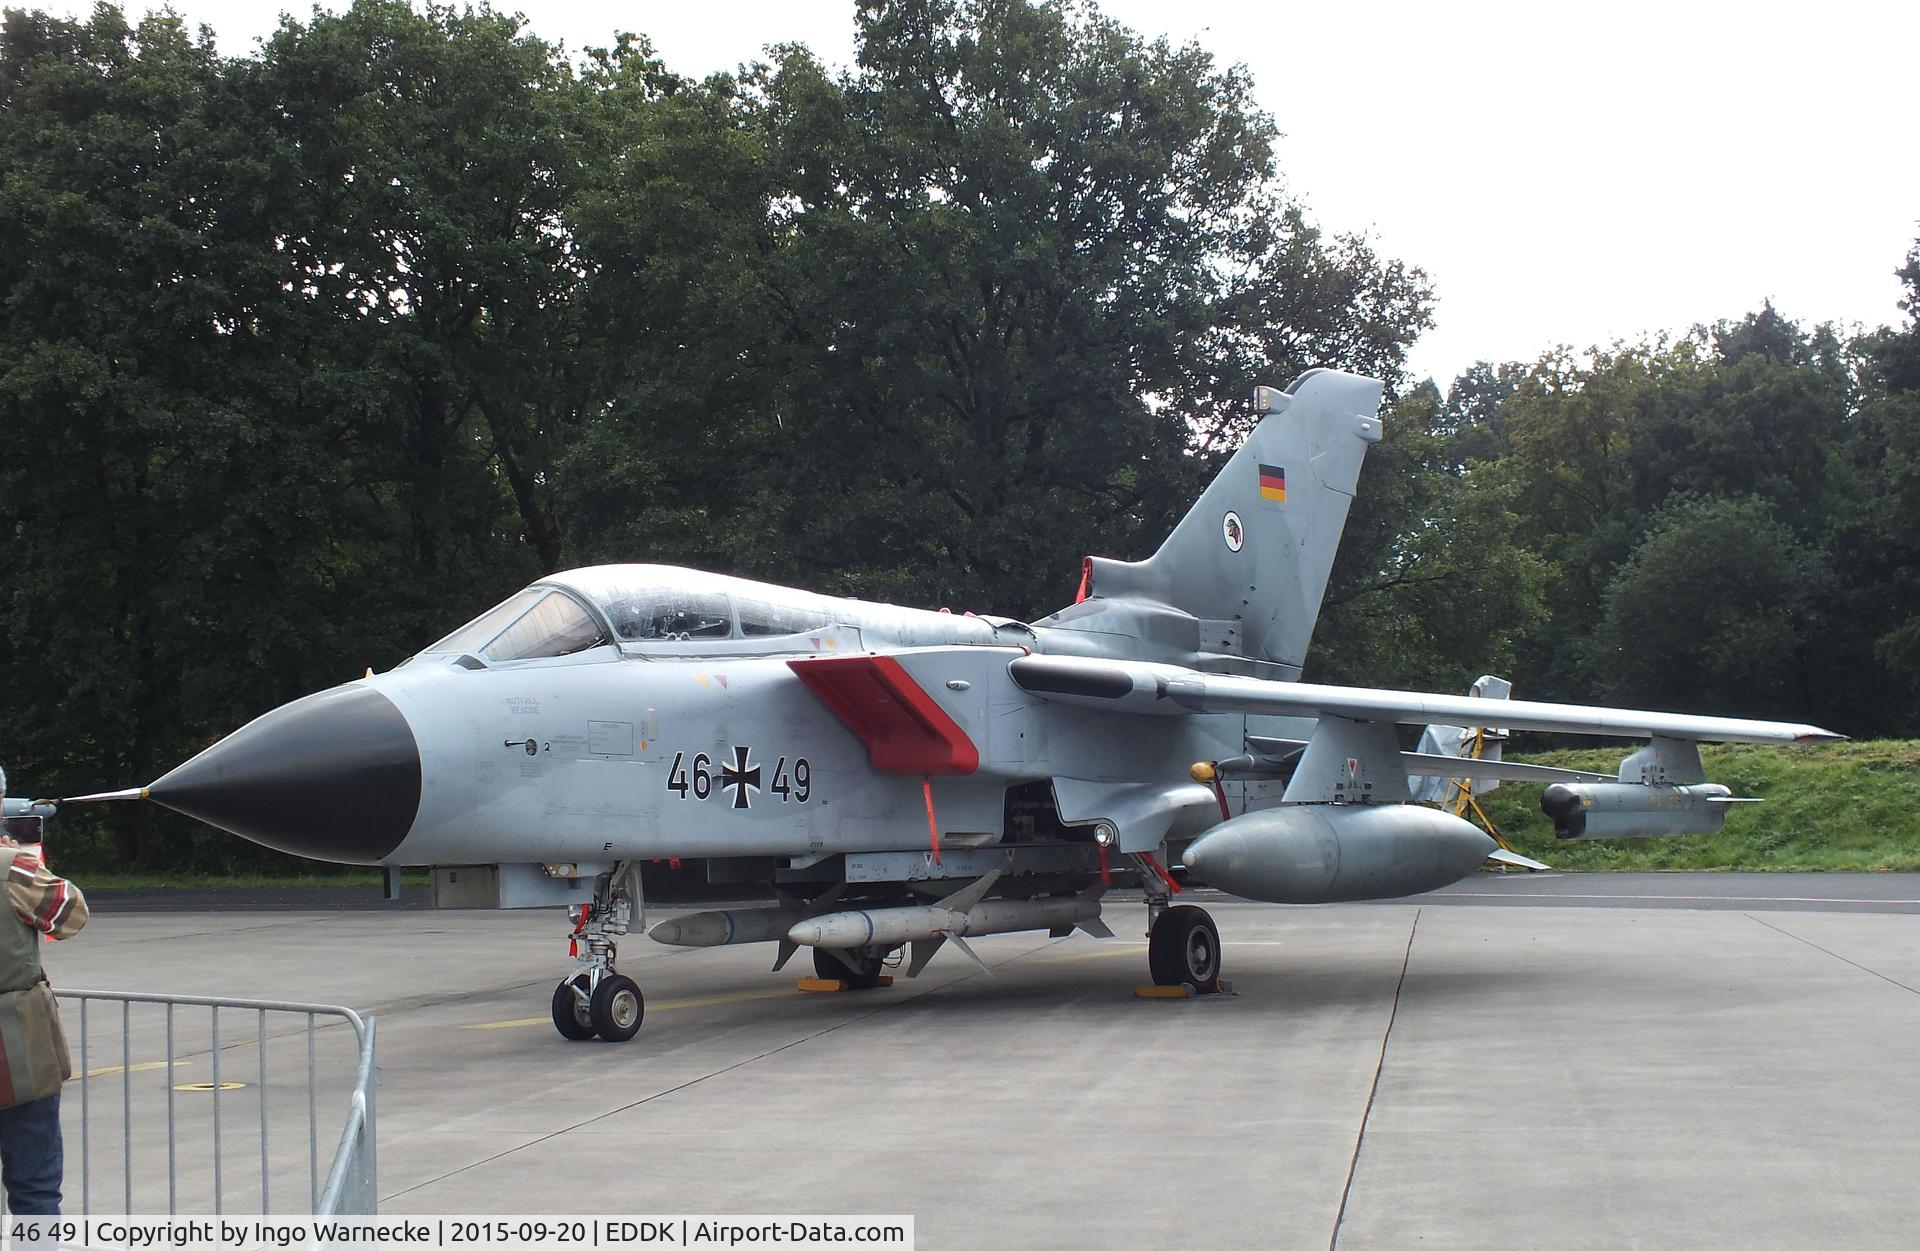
(1459, 799)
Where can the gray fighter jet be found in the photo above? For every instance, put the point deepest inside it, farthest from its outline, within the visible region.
(906, 779)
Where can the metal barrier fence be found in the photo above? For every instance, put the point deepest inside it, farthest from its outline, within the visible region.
(351, 1176)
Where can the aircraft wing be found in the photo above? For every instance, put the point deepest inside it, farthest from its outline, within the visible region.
(1141, 687)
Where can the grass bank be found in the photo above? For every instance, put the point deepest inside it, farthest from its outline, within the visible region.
(1829, 807)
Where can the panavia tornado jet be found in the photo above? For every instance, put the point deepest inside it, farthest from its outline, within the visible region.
(907, 780)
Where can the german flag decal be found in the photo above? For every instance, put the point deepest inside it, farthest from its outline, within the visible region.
(1273, 483)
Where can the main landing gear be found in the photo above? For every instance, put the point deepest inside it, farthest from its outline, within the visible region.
(1183, 944)
(1183, 949)
(859, 967)
(593, 999)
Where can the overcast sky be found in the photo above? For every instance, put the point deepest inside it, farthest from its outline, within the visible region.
(1567, 174)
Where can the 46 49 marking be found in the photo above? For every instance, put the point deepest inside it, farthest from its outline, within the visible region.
(742, 777)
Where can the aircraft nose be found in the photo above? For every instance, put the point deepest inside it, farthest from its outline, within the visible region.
(334, 776)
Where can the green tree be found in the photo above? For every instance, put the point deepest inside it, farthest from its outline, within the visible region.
(1024, 258)
(1712, 612)
(1431, 586)
(674, 459)
(1475, 417)
(1877, 537)
(437, 155)
(242, 483)
(141, 502)
(1757, 409)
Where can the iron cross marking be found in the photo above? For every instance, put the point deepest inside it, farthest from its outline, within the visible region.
(742, 775)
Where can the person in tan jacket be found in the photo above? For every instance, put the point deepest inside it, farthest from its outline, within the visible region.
(32, 1158)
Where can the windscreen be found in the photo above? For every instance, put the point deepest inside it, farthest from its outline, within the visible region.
(477, 633)
(555, 626)
(535, 623)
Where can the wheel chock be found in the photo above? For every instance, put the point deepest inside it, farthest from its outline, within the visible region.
(1182, 991)
(827, 985)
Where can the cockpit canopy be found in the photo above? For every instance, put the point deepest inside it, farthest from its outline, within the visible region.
(537, 622)
(633, 605)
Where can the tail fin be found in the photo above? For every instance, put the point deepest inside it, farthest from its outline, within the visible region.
(1251, 559)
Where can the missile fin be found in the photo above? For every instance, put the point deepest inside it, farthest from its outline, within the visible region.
(1096, 927)
(787, 948)
(967, 896)
(923, 949)
(961, 943)
(826, 901)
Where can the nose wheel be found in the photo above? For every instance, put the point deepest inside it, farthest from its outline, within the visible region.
(612, 1010)
(616, 1008)
(572, 1009)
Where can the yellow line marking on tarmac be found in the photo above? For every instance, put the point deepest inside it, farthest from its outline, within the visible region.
(128, 1068)
(712, 1001)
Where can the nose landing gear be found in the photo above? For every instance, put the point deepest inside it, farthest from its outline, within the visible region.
(593, 1000)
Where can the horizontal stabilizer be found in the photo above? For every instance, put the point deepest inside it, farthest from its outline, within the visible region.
(1734, 799)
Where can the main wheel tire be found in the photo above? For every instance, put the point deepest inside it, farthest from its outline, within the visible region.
(1184, 949)
(570, 1015)
(617, 1008)
(860, 970)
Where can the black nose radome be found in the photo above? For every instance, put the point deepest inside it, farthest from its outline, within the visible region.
(334, 776)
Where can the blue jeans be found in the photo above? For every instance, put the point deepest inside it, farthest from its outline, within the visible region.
(31, 1157)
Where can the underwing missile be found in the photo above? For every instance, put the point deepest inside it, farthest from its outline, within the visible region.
(723, 927)
(877, 927)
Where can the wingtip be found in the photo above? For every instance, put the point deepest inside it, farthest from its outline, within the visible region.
(1814, 734)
